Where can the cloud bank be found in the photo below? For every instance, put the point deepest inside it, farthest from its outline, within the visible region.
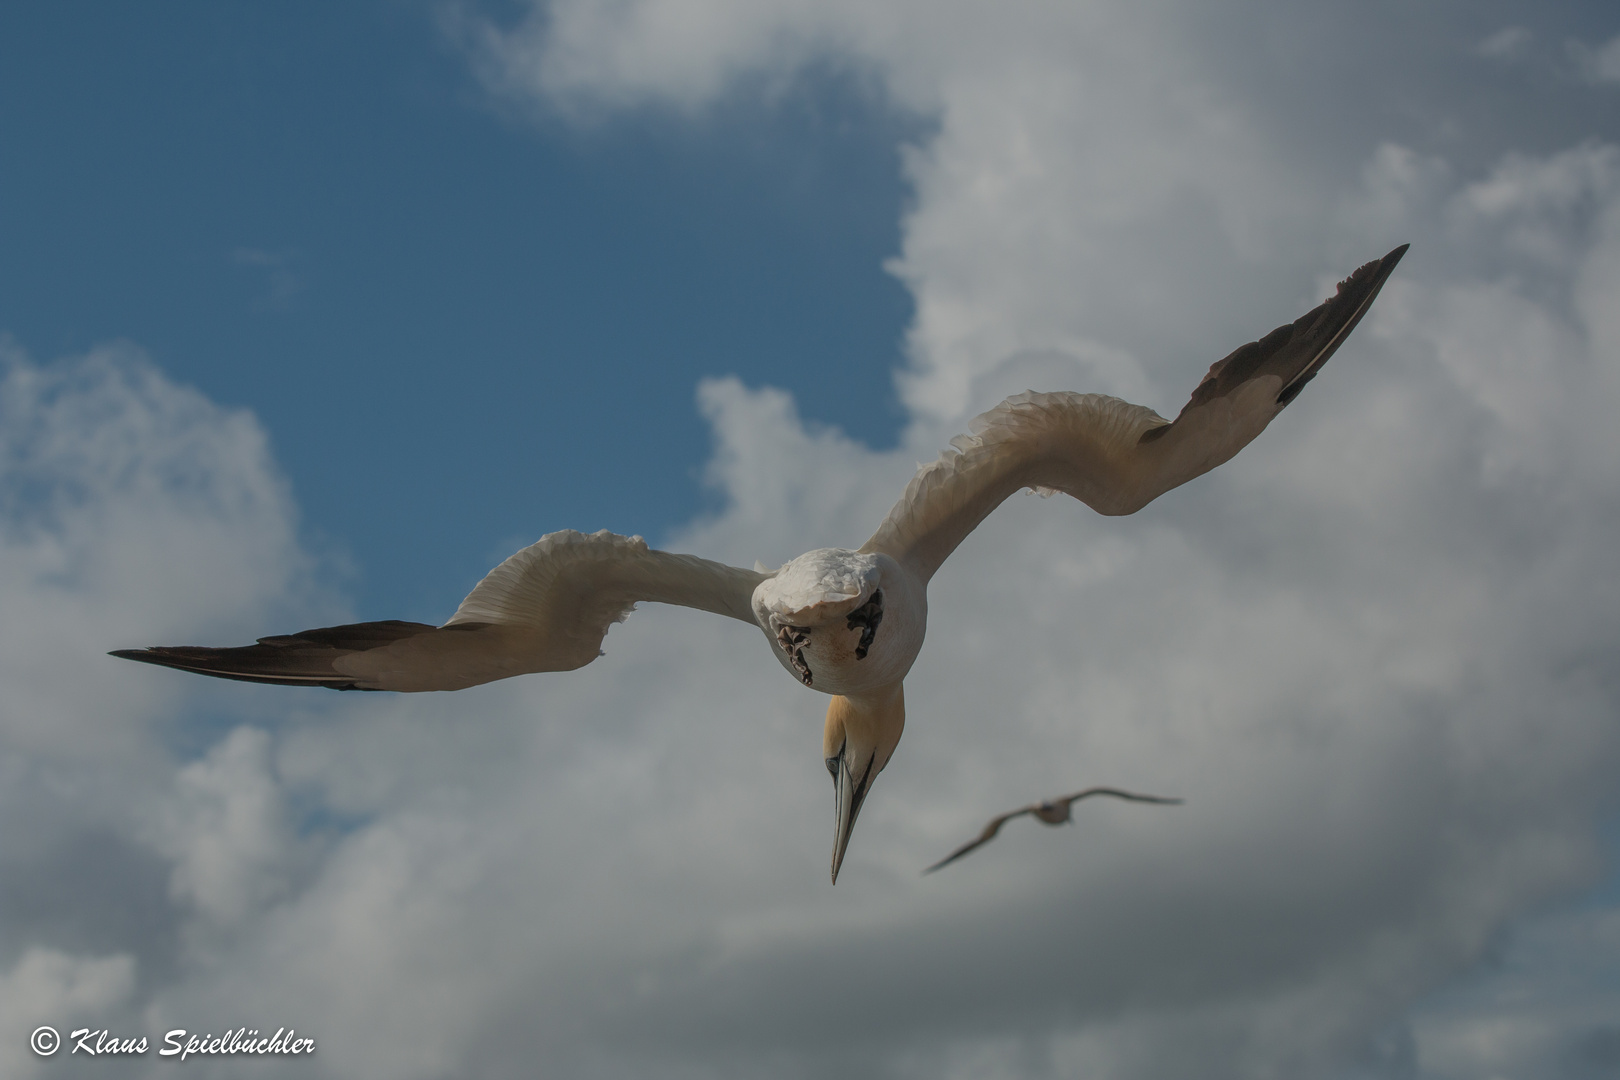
(1376, 652)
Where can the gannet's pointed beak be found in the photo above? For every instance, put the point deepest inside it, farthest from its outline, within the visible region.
(860, 736)
(849, 791)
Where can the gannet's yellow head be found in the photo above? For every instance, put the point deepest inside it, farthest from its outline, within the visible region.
(861, 734)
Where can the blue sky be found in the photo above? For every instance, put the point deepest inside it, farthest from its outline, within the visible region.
(317, 312)
(324, 218)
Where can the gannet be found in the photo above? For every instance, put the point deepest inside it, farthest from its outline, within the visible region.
(845, 622)
(1049, 812)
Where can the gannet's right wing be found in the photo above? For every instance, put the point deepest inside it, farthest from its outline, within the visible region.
(547, 608)
(1111, 455)
(985, 837)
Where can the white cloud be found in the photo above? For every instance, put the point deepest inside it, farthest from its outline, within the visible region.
(226, 830)
(133, 509)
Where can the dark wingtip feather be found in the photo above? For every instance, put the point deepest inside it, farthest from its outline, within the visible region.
(236, 664)
(301, 659)
(1339, 315)
(1295, 351)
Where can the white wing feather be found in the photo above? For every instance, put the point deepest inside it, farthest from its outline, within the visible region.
(569, 582)
(548, 607)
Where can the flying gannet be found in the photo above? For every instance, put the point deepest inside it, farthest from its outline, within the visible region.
(1049, 812)
(847, 623)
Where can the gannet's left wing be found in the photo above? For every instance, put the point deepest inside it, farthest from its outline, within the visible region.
(984, 837)
(547, 608)
(1111, 455)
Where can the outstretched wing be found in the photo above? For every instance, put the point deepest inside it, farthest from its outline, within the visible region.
(547, 608)
(985, 837)
(1118, 794)
(1111, 455)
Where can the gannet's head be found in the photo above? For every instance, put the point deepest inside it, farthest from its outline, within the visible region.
(861, 734)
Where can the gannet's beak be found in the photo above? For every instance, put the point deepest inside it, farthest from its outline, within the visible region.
(849, 791)
(861, 733)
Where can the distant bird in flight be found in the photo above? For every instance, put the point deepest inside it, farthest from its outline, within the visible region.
(847, 623)
(1050, 812)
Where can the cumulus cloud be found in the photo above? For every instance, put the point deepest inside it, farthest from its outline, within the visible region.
(129, 507)
(1376, 652)
(226, 830)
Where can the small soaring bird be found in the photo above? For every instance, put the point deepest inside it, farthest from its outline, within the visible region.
(847, 623)
(1048, 811)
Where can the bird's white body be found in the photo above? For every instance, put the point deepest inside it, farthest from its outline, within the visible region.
(819, 609)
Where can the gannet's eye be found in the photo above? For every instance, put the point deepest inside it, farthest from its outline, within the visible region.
(834, 761)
